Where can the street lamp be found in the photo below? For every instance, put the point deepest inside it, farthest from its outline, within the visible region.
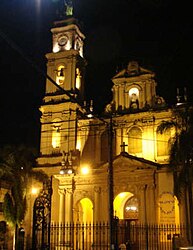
(34, 190)
(66, 163)
(68, 170)
(85, 169)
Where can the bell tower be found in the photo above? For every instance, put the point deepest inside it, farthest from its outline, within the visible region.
(66, 64)
(63, 100)
(134, 89)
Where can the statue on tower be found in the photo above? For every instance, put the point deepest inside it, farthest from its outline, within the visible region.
(69, 7)
(64, 8)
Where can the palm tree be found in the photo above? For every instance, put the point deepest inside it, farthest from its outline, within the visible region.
(17, 168)
(181, 157)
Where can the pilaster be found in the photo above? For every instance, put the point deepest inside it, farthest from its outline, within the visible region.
(97, 204)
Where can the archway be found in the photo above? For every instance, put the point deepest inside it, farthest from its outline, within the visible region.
(127, 212)
(85, 211)
(126, 206)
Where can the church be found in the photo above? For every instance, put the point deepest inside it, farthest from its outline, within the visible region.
(118, 159)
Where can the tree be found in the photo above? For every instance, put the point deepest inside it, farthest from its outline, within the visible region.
(181, 156)
(17, 167)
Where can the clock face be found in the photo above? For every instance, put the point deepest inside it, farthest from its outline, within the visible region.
(62, 40)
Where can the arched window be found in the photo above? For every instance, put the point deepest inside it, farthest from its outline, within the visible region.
(78, 78)
(135, 141)
(163, 143)
(134, 98)
(56, 137)
(60, 75)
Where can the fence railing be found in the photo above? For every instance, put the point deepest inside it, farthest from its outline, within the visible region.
(95, 236)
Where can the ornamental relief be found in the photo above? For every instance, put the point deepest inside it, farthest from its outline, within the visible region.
(129, 179)
(83, 181)
(125, 188)
(51, 62)
(65, 183)
(46, 117)
(146, 187)
(122, 124)
(61, 191)
(83, 124)
(65, 117)
(84, 128)
(97, 190)
(81, 194)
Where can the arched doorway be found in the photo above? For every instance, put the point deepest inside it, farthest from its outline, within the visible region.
(85, 211)
(126, 206)
(84, 217)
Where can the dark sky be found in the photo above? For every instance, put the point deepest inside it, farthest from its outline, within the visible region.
(156, 33)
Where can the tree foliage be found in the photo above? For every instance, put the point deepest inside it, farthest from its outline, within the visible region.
(17, 167)
(181, 147)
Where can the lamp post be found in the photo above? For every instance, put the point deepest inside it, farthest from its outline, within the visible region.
(112, 225)
(68, 170)
(111, 186)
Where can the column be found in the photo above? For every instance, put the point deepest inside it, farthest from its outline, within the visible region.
(151, 204)
(97, 205)
(143, 203)
(61, 214)
(126, 99)
(116, 97)
(122, 97)
(69, 206)
(62, 205)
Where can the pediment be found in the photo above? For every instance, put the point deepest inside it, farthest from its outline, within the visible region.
(126, 162)
(132, 70)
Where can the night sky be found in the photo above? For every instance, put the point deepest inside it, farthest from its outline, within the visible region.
(156, 33)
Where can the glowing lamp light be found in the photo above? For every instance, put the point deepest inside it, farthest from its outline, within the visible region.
(66, 171)
(62, 171)
(85, 170)
(69, 171)
(66, 168)
(131, 208)
(34, 190)
(90, 115)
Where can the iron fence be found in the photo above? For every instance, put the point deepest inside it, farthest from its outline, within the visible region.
(126, 236)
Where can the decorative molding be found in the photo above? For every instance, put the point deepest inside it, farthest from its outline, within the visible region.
(166, 202)
(97, 190)
(62, 191)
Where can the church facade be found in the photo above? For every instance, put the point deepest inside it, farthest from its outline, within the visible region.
(76, 148)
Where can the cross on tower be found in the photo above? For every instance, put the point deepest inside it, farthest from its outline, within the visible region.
(123, 147)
